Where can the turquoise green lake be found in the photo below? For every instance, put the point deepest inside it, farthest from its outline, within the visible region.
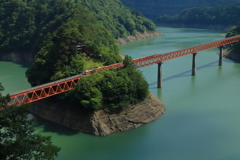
(201, 121)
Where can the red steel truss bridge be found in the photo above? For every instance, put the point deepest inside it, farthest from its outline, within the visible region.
(63, 85)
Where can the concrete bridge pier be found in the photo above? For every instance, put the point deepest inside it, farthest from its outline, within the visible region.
(194, 65)
(159, 80)
(220, 56)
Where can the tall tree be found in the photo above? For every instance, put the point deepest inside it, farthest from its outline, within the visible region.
(17, 137)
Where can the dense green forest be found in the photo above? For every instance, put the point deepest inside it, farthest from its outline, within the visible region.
(25, 23)
(54, 29)
(224, 15)
(117, 18)
(155, 8)
(18, 139)
(110, 90)
(58, 58)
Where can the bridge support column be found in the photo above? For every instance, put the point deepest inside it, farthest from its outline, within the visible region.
(220, 56)
(159, 80)
(194, 64)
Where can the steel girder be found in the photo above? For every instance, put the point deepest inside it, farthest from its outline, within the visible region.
(43, 91)
(59, 86)
(159, 58)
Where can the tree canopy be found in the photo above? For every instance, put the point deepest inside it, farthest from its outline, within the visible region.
(155, 8)
(110, 90)
(224, 15)
(75, 36)
(117, 18)
(25, 23)
(233, 32)
(58, 57)
(18, 139)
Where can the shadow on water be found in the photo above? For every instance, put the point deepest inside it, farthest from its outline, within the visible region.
(21, 64)
(51, 127)
(230, 61)
(24, 64)
(183, 74)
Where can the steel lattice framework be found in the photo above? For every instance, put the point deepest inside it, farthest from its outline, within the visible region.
(63, 85)
(43, 91)
(159, 58)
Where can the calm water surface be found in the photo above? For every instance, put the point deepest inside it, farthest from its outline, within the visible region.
(201, 121)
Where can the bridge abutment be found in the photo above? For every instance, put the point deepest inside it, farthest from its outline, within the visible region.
(194, 64)
(159, 80)
(220, 56)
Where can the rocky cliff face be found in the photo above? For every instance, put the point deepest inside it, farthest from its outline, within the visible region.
(100, 123)
(231, 54)
(139, 36)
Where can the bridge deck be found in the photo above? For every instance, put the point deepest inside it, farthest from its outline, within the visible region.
(45, 85)
(66, 84)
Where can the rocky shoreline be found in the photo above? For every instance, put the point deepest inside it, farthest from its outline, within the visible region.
(139, 36)
(100, 123)
(199, 26)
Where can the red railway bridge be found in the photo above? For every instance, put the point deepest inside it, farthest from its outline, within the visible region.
(63, 85)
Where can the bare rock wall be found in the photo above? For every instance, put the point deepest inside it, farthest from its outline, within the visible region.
(100, 123)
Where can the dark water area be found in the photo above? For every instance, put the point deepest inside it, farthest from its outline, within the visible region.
(202, 112)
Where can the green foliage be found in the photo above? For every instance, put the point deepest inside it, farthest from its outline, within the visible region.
(25, 23)
(117, 18)
(233, 32)
(57, 27)
(155, 8)
(18, 140)
(219, 15)
(110, 90)
(58, 58)
(127, 62)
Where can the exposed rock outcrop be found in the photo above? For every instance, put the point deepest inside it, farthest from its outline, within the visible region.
(231, 54)
(100, 123)
(139, 36)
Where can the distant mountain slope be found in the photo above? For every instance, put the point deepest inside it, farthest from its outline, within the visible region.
(154, 8)
(117, 18)
(223, 15)
(24, 24)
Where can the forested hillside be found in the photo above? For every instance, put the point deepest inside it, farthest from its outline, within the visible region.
(24, 24)
(65, 25)
(117, 18)
(224, 15)
(110, 90)
(156, 8)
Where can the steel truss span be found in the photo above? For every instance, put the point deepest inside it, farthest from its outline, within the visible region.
(63, 85)
(159, 58)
